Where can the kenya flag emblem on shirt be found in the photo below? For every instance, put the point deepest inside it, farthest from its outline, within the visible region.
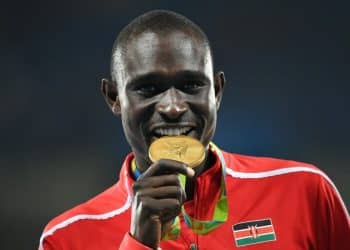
(253, 232)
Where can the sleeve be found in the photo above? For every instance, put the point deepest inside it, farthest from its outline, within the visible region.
(333, 221)
(129, 242)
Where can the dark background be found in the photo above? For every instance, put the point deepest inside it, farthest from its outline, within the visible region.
(286, 62)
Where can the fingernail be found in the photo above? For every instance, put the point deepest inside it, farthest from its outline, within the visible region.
(190, 172)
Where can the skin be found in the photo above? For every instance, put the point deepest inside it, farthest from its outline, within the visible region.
(167, 81)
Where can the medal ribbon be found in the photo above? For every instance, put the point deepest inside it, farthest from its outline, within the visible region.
(203, 227)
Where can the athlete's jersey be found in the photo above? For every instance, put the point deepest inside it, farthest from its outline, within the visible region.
(273, 204)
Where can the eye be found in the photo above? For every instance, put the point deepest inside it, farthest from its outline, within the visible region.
(192, 85)
(146, 90)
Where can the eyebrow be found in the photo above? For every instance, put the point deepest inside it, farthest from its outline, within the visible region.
(160, 76)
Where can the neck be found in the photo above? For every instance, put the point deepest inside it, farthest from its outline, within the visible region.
(141, 163)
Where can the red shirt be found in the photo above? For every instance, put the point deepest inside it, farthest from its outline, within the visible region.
(273, 204)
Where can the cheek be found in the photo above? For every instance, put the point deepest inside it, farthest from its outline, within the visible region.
(135, 113)
(133, 120)
(128, 116)
(206, 104)
(131, 116)
(208, 111)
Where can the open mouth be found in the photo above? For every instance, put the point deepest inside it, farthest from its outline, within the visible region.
(159, 132)
(172, 131)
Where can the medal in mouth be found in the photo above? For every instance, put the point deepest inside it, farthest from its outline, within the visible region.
(179, 148)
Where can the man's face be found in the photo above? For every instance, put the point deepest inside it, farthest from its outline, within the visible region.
(165, 87)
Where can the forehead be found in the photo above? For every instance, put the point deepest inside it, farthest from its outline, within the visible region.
(166, 54)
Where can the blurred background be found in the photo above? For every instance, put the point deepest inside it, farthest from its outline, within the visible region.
(287, 96)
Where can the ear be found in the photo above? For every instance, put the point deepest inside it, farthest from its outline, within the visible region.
(219, 83)
(110, 93)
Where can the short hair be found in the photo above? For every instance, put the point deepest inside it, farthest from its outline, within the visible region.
(163, 21)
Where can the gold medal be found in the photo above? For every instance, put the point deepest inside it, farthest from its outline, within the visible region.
(179, 148)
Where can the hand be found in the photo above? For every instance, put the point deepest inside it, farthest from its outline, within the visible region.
(158, 197)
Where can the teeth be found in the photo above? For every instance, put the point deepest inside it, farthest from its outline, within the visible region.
(172, 131)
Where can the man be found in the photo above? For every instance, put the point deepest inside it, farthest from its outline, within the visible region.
(163, 84)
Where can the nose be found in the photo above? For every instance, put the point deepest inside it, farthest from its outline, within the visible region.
(172, 105)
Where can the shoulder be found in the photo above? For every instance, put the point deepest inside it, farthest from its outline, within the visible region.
(307, 178)
(245, 166)
(106, 205)
(304, 175)
(254, 164)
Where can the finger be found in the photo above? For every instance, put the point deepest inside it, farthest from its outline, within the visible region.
(158, 222)
(157, 181)
(168, 207)
(164, 192)
(165, 166)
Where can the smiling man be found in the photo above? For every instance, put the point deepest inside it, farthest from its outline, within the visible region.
(163, 86)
